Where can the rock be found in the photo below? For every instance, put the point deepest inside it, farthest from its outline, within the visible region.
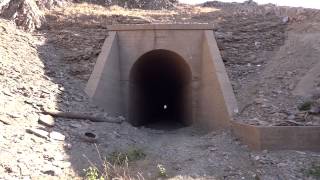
(62, 164)
(315, 110)
(67, 146)
(285, 20)
(57, 136)
(24, 13)
(38, 132)
(257, 44)
(291, 117)
(257, 158)
(259, 100)
(121, 118)
(46, 120)
(51, 170)
(291, 86)
(76, 125)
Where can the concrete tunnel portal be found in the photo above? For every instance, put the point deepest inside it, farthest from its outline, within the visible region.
(160, 90)
(163, 75)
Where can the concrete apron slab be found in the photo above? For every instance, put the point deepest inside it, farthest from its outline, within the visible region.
(156, 70)
(278, 137)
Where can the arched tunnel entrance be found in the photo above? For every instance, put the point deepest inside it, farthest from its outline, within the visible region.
(160, 91)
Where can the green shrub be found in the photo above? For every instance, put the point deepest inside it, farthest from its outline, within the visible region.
(122, 158)
(305, 106)
(314, 171)
(162, 172)
(92, 173)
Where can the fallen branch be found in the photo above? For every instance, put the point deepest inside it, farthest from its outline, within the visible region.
(80, 115)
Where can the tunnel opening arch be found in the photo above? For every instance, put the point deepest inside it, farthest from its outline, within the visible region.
(160, 90)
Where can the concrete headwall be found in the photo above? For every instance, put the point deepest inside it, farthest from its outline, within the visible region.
(213, 101)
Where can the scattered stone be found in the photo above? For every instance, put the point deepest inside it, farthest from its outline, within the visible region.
(57, 136)
(62, 164)
(291, 86)
(76, 125)
(46, 120)
(51, 170)
(38, 132)
(67, 146)
(315, 110)
(291, 117)
(8, 169)
(285, 19)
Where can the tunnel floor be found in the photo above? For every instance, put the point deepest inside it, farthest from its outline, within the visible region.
(160, 91)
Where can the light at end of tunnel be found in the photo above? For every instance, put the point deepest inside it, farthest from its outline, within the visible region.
(165, 106)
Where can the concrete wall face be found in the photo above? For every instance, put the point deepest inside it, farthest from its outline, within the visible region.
(216, 97)
(109, 87)
(104, 84)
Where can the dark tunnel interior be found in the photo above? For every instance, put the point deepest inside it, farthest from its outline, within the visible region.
(160, 92)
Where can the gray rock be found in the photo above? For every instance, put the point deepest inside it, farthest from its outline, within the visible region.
(285, 19)
(46, 120)
(57, 136)
(291, 117)
(51, 170)
(315, 109)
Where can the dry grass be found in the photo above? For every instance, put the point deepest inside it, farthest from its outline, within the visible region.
(92, 13)
(116, 168)
(76, 10)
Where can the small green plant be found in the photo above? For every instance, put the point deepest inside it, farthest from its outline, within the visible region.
(92, 173)
(162, 171)
(314, 171)
(123, 158)
(114, 166)
(118, 158)
(305, 106)
(135, 154)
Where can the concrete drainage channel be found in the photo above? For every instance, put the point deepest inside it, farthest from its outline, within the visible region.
(173, 75)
